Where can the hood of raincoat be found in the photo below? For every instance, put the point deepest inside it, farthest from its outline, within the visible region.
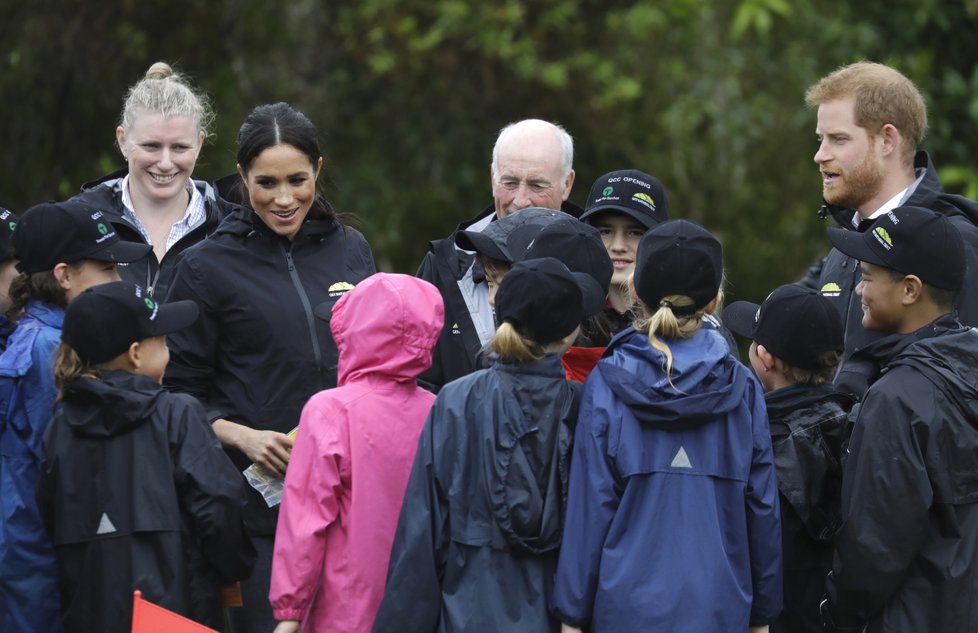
(387, 325)
(704, 383)
(112, 405)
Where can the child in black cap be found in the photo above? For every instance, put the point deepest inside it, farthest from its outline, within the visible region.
(672, 514)
(796, 345)
(907, 552)
(62, 248)
(8, 270)
(477, 539)
(135, 490)
(623, 205)
(578, 246)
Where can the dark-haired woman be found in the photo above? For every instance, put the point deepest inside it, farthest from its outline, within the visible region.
(255, 355)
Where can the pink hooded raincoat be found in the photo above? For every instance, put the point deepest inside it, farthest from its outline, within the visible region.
(352, 457)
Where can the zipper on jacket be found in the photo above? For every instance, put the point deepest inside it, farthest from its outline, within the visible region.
(310, 317)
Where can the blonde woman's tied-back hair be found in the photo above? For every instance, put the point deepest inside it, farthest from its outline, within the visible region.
(68, 367)
(513, 347)
(165, 92)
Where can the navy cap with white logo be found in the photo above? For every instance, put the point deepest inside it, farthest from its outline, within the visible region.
(910, 240)
(67, 232)
(104, 320)
(8, 222)
(629, 191)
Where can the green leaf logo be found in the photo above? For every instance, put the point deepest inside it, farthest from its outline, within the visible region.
(149, 303)
(12, 226)
(102, 228)
(608, 191)
(884, 237)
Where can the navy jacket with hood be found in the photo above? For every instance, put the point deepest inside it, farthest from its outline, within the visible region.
(836, 275)
(907, 553)
(477, 540)
(106, 195)
(136, 493)
(672, 515)
(257, 353)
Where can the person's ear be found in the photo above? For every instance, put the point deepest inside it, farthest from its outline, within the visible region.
(120, 139)
(201, 137)
(768, 360)
(62, 274)
(134, 355)
(712, 306)
(319, 167)
(912, 288)
(568, 184)
(892, 139)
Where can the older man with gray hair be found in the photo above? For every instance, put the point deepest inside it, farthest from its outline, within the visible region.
(531, 167)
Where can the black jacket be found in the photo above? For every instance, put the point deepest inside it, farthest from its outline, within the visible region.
(836, 275)
(136, 494)
(150, 273)
(477, 540)
(907, 553)
(806, 431)
(444, 266)
(257, 353)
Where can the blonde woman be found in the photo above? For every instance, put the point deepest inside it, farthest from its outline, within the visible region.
(154, 200)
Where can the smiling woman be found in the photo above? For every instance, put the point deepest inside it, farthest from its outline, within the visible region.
(256, 354)
(154, 200)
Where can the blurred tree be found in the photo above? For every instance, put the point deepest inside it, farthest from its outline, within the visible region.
(409, 95)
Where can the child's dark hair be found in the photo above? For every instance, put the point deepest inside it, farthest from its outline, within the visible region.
(68, 367)
(513, 347)
(827, 363)
(40, 286)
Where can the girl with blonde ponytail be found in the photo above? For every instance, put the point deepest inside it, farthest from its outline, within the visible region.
(477, 540)
(672, 516)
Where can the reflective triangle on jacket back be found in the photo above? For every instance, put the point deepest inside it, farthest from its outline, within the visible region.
(681, 460)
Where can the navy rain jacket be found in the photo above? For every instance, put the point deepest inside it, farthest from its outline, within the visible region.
(672, 513)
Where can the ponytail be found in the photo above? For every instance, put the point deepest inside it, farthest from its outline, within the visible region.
(513, 347)
(68, 367)
(668, 325)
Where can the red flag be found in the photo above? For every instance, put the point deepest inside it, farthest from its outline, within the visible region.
(150, 618)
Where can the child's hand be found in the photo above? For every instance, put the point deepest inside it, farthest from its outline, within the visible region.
(753, 629)
(269, 449)
(567, 628)
(287, 626)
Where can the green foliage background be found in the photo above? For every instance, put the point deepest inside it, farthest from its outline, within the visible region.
(409, 94)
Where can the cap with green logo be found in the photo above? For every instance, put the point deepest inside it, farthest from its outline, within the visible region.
(631, 192)
(910, 240)
(8, 222)
(102, 322)
(67, 232)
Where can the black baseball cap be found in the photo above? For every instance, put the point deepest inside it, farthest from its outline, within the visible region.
(631, 192)
(67, 232)
(104, 320)
(912, 241)
(794, 323)
(505, 239)
(8, 222)
(545, 301)
(678, 257)
(578, 246)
